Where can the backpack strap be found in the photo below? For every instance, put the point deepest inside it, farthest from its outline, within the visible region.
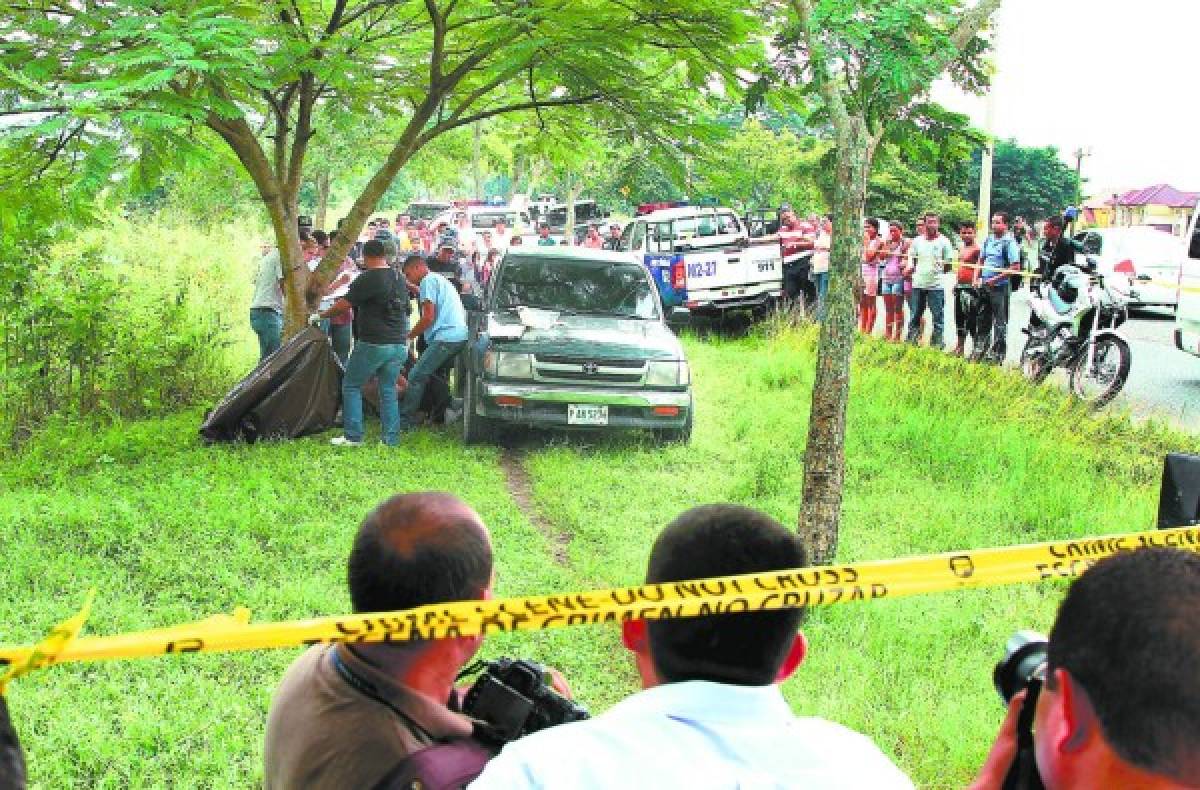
(442, 766)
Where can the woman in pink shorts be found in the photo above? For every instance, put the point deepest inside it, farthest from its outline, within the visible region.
(872, 247)
(892, 281)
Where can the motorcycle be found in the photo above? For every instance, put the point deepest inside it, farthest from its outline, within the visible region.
(1074, 325)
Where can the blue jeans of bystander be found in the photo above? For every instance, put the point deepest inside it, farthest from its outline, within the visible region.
(268, 325)
(822, 281)
(435, 355)
(935, 298)
(385, 362)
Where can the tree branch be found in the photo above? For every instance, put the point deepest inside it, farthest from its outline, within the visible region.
(819, 65)
(34, 110)
(64, 139)
(449, 124)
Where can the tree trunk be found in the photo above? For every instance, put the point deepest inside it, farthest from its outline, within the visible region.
(280, 200)
(574, 187)
(824, 455)
(322, 198)
(408, 144)
(477, 159)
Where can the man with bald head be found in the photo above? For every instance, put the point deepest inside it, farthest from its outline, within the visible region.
(345, 715)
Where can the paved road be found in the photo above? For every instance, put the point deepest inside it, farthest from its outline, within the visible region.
(1163, 382)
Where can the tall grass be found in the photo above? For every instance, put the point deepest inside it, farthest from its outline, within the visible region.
(125, 319)
(940, 455)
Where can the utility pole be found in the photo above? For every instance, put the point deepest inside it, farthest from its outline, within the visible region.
(984, 217)
(1080, 153)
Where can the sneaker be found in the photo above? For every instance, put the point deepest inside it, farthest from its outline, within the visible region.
(342, 441)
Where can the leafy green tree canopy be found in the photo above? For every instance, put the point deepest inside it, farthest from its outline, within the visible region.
(1033, 183)
(264, 77)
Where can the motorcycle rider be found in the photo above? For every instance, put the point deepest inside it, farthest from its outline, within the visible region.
(1055, 251)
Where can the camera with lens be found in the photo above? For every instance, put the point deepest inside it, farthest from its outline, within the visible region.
(512, 697)
(1023, 667)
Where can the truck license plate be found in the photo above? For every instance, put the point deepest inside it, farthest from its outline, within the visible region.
(586, 414)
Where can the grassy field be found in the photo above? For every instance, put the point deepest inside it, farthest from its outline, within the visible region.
(940, 456)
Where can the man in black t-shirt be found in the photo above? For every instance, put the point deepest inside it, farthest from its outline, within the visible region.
(380, 301)
(1055, 250)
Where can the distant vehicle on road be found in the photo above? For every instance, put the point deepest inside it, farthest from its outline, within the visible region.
(426, 209)
(702, 259)
(1140, 262)
(585, 211)
(573, 337)
(1187, 311)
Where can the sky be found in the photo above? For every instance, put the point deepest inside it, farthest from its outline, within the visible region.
(1116, 77)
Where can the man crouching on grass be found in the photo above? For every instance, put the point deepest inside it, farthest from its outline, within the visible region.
(711, 714)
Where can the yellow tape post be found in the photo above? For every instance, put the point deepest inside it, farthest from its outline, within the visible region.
(820, 586)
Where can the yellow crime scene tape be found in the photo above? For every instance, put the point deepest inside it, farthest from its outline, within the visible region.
(818, 586)
(1189, 289)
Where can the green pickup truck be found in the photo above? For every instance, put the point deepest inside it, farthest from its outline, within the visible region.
(570, 337)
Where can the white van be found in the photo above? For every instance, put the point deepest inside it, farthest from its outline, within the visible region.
(1187, 311)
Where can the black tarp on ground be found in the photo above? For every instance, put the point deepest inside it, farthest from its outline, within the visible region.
(294, 392)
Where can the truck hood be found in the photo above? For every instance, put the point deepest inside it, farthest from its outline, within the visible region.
(584, 336)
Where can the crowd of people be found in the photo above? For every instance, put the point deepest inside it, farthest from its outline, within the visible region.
(365, 306)
(1119, 702)
(909, 274)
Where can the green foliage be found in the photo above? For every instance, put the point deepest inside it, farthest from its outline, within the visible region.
(901, 192)
(1028, 182)
(760, 168)
(888, 54)
(119, 321)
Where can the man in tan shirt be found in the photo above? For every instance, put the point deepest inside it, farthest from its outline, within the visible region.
(345, 715)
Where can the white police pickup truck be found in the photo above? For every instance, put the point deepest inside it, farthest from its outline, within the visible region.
(702, 259)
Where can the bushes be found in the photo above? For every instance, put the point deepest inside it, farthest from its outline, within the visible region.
(122, 320)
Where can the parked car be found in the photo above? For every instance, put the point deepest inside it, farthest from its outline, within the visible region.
(1187, 311)
(573, 337)
(1140, 262)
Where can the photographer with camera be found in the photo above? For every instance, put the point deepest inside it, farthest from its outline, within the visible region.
(345, 715)
(1112, 699)
(710, 714)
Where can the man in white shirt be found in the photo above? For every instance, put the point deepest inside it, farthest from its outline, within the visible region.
(710, 714)
(930, 256)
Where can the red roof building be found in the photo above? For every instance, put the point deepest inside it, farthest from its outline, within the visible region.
(1161, 206)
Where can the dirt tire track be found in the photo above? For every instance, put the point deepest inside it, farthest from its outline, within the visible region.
(520, 488)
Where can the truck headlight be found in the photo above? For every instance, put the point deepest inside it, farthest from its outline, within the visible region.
(508, 364)
(673, 373)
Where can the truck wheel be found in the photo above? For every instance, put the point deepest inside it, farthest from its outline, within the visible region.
(476, 429)
(681, 435)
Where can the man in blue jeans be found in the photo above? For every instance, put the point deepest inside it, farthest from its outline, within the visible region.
(930, 256)
(266, 305)
(444, 324)
(998, 256)
(380, 302)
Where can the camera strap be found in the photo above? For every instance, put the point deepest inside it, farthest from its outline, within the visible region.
(1023, 773)
(369, 690)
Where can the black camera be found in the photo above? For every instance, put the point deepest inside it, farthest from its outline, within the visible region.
(1022, 667)
(513, 698)
(1024, 655)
